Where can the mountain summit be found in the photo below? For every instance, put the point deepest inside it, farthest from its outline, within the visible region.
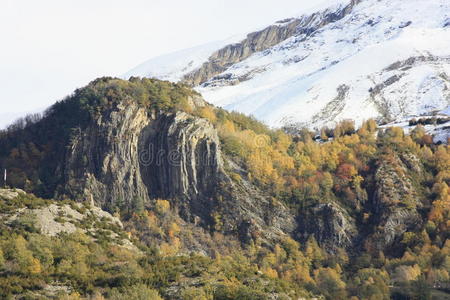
(356, 59)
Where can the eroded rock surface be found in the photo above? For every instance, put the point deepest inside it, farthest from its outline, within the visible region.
(129, 156)
(395, 200)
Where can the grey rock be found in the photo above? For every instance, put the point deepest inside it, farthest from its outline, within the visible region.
(262, 40)
(128, 157)
(103, 161)
(10, 194)
(395, 201)
(331, 225)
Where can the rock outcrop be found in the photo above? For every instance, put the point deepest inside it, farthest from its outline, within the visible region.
(102, 163)
(10, 194)
(264, 39)
(180, 159)
(129, 156)
(331, 226)
(52, 218)
(395, 201)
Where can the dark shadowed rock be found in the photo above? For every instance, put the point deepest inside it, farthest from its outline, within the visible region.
(330, 224)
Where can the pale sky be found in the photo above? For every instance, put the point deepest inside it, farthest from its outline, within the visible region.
(48, 48)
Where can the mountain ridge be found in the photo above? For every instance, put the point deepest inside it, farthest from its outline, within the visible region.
(372, 59)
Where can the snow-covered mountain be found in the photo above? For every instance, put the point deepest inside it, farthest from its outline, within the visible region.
(358, 59)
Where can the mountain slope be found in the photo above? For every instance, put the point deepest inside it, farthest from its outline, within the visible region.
(357, 59)
(67, 250)
(280, 216)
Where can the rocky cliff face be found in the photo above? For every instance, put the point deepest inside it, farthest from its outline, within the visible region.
(103, 160)
(264, 39)
(330, 225)
(395, 201)
(127, 157)
(180, 159)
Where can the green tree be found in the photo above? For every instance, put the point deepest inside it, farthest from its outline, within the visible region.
(135, 292)
(23, 257)
(420, 289)
(330, 283)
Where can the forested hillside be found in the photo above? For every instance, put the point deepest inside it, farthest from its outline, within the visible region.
(240, 212)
